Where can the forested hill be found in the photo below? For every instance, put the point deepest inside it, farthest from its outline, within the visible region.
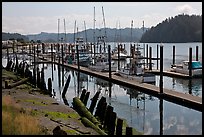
(181, 28)
(13, 36)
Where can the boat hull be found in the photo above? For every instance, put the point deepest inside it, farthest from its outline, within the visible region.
(195, 72)
(144, 78)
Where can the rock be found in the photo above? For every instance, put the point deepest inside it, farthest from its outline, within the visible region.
(58, 131)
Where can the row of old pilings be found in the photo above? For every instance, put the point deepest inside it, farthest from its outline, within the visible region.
(22, 70)
(103, 113)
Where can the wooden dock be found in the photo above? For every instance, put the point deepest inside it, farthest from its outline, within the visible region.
(183, 99)
(187, 100)
(170, 74)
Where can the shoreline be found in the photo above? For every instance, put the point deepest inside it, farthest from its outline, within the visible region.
(50, 112)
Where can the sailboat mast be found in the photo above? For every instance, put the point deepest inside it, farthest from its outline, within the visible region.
(131, 30)
(85, 31)
(58, 31)
(64, 32)
(104, 24)
(74, 30)
(94, 35)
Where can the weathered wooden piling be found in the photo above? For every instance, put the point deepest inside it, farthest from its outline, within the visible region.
(101, 109)
(190, 86)
(109, 59)
(196, 53)
(190, 62)
(157, 56)
(119, 127)
(86, 98)
(118, 56)
(49, 86)
(173, 54)
(161, 115)
(22, 81)
(34, 77)
(7, 55)
(77, 48)
(42, 81)
(108, 112)
(150, 58)
(38, 77)
(111, 124)
(147, 54)
(79, 106)
(83, 93)
(128, 131)
(62, 52)
(6, 84)
(100, 49)
(161, 69)
(93, 102)
(66, 86)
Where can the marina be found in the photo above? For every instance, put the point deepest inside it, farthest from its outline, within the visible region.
(119, 86)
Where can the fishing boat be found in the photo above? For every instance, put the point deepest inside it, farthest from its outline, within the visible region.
(122, 53)
(84, 54)
(135, 71)
(101, 64)
(183, 68)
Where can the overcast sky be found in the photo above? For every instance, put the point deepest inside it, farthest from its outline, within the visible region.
(37, 17)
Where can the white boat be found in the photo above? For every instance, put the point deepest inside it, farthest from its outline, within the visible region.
(84, 54)
(122, 55)
(101, 63)
(135, 71)
(183, 68)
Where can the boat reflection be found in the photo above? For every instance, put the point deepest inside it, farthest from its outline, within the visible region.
(193, 86)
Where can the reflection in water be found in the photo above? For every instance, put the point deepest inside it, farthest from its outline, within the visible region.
(140, 110)
(190, 86)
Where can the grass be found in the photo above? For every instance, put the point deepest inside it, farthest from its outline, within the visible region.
(56, 115)
(16, 120)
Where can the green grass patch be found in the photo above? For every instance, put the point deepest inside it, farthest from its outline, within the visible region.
(56, 115)
(72, 132)
(36, 102)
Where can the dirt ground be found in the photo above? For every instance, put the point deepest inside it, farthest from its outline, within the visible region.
(47, 109)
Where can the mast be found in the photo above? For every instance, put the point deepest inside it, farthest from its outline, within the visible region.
(120, 39)
(58, 30)
(104, 25)
(94, 34)
(85, 31)
(131, 30)
(74, 30)
(64, 32)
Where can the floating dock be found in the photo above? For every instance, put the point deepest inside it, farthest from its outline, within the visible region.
(183, 99)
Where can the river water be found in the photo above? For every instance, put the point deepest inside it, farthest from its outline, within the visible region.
(141, 111)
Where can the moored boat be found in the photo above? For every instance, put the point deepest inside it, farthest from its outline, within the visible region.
(135, 71)
(183, 68)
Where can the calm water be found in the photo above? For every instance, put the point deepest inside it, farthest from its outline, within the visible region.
(141, 111)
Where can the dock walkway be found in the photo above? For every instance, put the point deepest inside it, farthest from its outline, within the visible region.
(183, 99)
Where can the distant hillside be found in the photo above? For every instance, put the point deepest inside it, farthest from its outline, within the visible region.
(181, 28)
(113, 35)
(16, 36)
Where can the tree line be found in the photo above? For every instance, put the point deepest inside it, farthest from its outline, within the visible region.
(179, 29)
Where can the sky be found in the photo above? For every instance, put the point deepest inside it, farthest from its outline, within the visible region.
(36, 17)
